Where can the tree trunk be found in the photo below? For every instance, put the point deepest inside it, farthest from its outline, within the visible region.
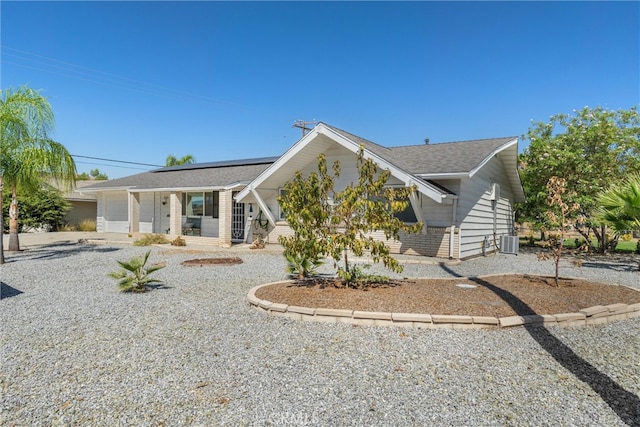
(14, 242)
(603, 233)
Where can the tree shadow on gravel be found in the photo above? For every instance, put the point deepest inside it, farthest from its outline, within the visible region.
(7, 291)
(57, 251)
(603, 265)
(623, 402)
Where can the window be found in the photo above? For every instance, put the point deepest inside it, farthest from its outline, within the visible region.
(201, 203)
(282, 215)
(407, 216)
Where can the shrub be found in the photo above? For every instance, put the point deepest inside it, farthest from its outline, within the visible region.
(178, 241)
(87, 225)
(151, 239)
(134, 277)
(302, 265)
(357, 277)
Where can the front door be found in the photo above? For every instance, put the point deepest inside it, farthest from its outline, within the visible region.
(237, 221)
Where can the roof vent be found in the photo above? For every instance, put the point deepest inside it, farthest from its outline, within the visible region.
(426, 141)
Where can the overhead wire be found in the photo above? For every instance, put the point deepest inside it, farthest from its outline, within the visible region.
(50, 65)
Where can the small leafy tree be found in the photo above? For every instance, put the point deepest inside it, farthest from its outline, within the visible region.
(134, 277)
(305, 202)
(558, 213)
(326, 222)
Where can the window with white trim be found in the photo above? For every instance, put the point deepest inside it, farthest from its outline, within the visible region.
(201, 203)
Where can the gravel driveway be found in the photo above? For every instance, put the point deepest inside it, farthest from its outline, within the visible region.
(76, 351)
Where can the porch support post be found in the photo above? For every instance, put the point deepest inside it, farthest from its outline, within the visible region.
(175, 213)
(224, 222)
(264, 208)
(452, 232)
(415, 205)
(134, 212)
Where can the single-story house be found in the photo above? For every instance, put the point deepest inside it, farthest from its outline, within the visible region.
(465, 193)
(83, 204)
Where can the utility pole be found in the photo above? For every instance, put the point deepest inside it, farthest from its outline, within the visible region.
(301, 124)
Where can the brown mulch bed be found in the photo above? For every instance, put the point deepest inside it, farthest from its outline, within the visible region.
(211, 261)
(496, 296)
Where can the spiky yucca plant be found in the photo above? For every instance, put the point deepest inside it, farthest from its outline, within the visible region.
(134, 277)
(302, 265)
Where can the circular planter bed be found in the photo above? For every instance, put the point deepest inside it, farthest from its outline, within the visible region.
(211, 261)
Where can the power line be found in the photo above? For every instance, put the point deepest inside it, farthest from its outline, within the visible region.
(92, 75)
(111, 166)
(116, 161)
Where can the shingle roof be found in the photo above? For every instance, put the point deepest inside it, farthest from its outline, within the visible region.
(446, 157)
(199, 175)
(425, 159)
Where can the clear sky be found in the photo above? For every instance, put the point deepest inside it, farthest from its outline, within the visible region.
(138, 81)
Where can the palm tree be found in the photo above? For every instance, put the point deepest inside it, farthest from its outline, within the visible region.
(620, 205)
(28, 154)
(185, 160)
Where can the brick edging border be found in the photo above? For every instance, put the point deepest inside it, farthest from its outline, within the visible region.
(599, 314)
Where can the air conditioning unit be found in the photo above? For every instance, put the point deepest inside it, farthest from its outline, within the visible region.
(509, 244)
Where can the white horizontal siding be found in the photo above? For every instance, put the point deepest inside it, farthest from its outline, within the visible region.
(477, 212)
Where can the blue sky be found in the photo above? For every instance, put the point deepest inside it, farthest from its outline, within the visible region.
(137, 81)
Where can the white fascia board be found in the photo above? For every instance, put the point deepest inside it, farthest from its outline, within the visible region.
(503, 147)
(173, 190)
(443, 175)
(282, 160)
(235, 185)
(100, 190)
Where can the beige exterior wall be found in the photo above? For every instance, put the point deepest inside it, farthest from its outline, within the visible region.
(175, 207)
(134, 212)
(82, 210)
(226, 205)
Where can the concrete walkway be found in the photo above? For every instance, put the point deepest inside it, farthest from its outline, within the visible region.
(28, 240)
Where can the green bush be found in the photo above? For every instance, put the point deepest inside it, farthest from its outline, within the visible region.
(302, 265)
(151, 239)
(44, 207)
(134, 277)
(357, 277)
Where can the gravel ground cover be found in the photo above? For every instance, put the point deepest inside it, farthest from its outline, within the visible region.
(76, 351)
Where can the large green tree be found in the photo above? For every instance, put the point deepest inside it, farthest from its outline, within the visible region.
(590, 149)
(42, 207)
(172, 160)
(28, 154)
(326, 222)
